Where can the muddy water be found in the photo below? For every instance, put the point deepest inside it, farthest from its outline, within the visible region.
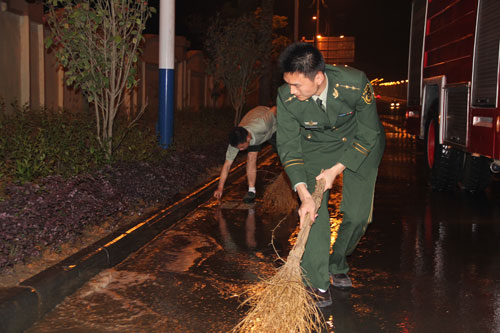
(429, 262)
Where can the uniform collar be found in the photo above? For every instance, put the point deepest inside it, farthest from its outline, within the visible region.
(324, 93)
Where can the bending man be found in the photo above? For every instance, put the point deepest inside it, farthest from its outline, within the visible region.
(256, 127)
(327, 126)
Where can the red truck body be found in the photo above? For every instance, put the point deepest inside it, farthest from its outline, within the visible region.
(453, 75)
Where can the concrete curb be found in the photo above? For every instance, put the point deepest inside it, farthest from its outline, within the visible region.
(21, 306)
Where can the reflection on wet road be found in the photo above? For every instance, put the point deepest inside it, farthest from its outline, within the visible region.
(429, 262)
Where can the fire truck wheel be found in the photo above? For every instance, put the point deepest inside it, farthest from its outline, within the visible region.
(476, 173)
(443, 161)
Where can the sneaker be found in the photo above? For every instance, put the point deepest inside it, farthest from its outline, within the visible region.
(249, 197)
(322, 299)
(341, 280)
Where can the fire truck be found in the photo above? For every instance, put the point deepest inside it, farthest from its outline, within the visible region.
(453, 90)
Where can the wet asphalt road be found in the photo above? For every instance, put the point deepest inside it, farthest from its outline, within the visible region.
(429, 262)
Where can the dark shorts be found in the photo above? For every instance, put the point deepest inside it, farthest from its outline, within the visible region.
(257, 148)
(272, 142)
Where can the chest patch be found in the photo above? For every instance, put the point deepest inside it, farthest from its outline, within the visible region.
(367, 94)
(310, 123)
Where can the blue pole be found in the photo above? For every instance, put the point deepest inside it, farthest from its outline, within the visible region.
(166, 72)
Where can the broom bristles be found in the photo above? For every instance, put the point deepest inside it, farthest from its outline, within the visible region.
(279, 196)
(282, 302)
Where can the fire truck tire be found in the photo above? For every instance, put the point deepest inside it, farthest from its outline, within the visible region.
(476, 173)
(443, 161)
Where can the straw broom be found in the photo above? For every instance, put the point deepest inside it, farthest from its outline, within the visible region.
(282, 302)
(279, 196)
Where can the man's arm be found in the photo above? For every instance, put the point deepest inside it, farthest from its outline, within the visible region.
(369, 129)
(223, 176)
(289, 148)
(329, 175)
(365, 138)
(288, 139)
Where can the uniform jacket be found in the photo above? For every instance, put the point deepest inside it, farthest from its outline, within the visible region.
(349, 131)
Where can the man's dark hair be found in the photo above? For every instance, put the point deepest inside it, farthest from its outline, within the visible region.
(238, 135)
(302, 58)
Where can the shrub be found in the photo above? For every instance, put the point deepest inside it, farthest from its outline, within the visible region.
(39, 143)
(56, 181)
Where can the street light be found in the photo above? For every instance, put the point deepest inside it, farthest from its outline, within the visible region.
(316, 17)
(317, 20)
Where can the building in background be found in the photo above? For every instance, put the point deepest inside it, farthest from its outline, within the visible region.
(337, 50)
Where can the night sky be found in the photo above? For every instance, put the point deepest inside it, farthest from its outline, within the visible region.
(381, 27)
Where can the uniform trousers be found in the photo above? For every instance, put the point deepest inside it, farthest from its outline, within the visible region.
(356, 207)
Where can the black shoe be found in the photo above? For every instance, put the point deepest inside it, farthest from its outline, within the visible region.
(249, 197)
(341, 280)
(322, 299)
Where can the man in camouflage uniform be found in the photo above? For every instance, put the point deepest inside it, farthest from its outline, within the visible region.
(328, 125)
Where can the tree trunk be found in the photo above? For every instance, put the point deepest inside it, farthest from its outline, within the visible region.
(265, 82)
(265, 88)
(237, 115)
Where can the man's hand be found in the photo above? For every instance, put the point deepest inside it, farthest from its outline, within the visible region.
(307, 205)
(223, 176)
(218, 193)
(329, 175)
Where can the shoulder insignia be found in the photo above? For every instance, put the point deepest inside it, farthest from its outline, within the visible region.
(335, 93)
(290, 98)
(347, 86)
(367, 94)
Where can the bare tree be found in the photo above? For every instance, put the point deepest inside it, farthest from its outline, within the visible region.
(266, 35)
(236, 54)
